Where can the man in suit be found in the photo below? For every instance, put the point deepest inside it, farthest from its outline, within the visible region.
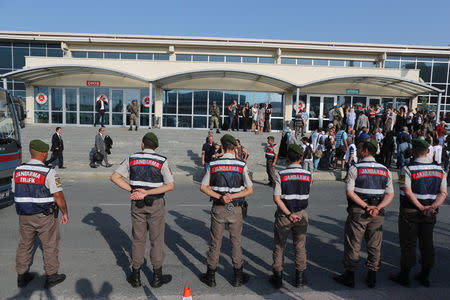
(100, 145)
(57, 149)
(100, 107)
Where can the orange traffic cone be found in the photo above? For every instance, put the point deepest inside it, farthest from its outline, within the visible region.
(187, 292)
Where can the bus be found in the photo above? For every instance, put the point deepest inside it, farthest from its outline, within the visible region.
(10, 146)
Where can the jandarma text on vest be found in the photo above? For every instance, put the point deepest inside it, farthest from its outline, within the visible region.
(29, 177)
(296, 177)
(370, 171)
(424, 174)
(227, 169)
(145, 162)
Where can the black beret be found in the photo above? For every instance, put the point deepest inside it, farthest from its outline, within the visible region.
(228, 138)
(420, 144)
(296, 148)
(152, 137)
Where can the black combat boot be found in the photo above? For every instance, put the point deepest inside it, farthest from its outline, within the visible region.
(135, 129)
(209, 278)
(131, 128)
(53, 280)
(135, 278)
(371, 279)
(402, 278)
(300, 278)
(159, 279)
(347, 279)
(217, 131)
(24, 279)
(240, 277)
(276, 279)
(423, 277)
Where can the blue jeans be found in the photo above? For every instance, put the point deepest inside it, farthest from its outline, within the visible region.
(316, 163)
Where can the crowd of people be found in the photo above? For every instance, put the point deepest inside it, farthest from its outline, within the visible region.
(334, 145)
(256, 118)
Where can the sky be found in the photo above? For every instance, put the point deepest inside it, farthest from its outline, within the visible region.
(395, 21)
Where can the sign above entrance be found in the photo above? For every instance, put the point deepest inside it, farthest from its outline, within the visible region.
(146, 101)
(301, 105)
(92, 83)
(41, 98)
(352, 91)
(104, 96)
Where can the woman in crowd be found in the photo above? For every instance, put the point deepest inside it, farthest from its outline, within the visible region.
(255, 117)
(231, 108)
(351, 118)
(260, 119)
(240, 151)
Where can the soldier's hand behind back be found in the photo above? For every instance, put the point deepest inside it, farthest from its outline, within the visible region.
(138, 194)
(64, 219)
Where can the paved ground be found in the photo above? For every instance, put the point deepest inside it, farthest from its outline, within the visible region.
(95, 249)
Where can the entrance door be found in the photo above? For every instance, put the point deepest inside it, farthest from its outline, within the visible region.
(374, 101)
(328, 103)
(130, 95)
(116, 106)
(318, 107)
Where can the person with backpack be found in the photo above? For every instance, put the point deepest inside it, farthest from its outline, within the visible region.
(403, 152)
(307, 163)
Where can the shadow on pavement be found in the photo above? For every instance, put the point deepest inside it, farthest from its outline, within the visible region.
(195, 172)
(84, 289)
(35, 289)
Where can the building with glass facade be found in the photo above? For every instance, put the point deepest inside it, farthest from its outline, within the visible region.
(176, 79)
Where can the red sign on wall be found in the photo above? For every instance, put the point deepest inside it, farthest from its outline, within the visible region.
(92, 83)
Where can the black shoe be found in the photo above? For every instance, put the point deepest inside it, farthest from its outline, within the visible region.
(276, 279)
(347, 279)
(108, 166)
(423, 278)
(401, 278)
(217, 131)
(135, 278)
(53, 280)
(240, 277)
(300, 278)
(24, 279)
(159, 279)
(371, 279)
(46, 163)
(135, 129)
(130, 129)
(209, 278)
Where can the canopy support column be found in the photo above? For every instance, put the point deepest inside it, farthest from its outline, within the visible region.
(5, 83)
(150, 95)
(438, 114)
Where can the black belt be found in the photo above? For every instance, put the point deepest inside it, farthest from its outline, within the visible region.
(235, 204)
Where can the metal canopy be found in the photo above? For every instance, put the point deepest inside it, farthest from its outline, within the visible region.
(39, 73)
(233, 74)
(410, 87)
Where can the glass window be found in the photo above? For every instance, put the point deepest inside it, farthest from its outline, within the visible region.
(148, 56)
(369, 64)
(276, 100)
(261, 97)
(87, 118)
(79, 54)
(56, 99)
(112, 55)
(19, 57)
(277, 124)
(44, 90)
(304, 61)
(408, 65)
(236, 59)
(71, 99)
(184, 102)
(40, 117)
(117, 101)
(393, 57)
(266, 60)
(160, 56)
(117, 119)
(126, 55)
(200, 103)
(337, 63)
(5, 58)
(144, 120)
(38, 52)
(71, 118)
(200, 57)
(3, 71)
(169, 121)
(54, 46)
(200, 122)
(288, 61)
(86, 100)
(353, 63)
(320, 62)
(55, 53)
(441, 59)
(216, 58)
(391, 64)
(249, 59)
(314, 106)
(95, 54)
(218, 97)
(424, 58)
(440, 71)
(19, 85)
(245, 97)
(425, 70)
(23, 45)
(409, 58)
(57, 117)
(184, 57)
(184, 121)
(230, 97)
(170, 102)
(37, 45)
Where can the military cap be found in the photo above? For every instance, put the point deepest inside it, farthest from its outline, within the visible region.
(152, 137)
(296, 148)
(373, 143)
(39, 146)
(421, 144)
(271, 138)
(228, 138)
